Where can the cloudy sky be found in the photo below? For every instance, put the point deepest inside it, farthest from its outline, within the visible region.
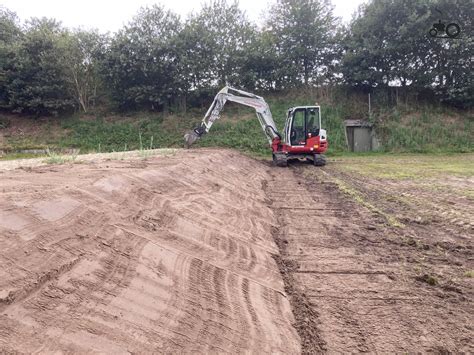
(110, 15)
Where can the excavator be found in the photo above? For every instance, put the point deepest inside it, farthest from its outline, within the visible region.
(302, 136)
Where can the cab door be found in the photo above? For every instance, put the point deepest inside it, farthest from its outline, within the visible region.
(298, 128)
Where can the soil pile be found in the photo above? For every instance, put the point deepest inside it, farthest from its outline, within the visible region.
(169, 254)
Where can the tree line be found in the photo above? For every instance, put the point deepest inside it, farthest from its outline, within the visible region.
(159, 61)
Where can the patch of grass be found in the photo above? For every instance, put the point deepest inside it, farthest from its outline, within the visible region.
(469, 274)
(359, 198)
(15, 156)
(409, 166)
(54, 158)
(145, 152)
(99, 135)
(425, 131)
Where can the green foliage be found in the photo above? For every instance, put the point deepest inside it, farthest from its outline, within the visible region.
(82, 54)
(9, 35)
(388, 44)
(411, 129)
(9, 28)
(303, 37)
(45, 69)
(261, 63)
(141, 66)
(36, 80)
(99, 135)
(214, 45)
(426, 131)
(158, 63)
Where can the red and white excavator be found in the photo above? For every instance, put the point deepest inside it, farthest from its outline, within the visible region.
(302, 136)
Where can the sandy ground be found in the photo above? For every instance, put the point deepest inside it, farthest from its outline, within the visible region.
(169, 254)
(210, 251)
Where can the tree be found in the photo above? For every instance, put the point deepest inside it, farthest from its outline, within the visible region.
(451, 61)
(384, 38)
(388, 45)
(214, 45)
(260, 63)
(141, 65)
(36, 82)
(83, 52)
(303, 34)
(10, 34)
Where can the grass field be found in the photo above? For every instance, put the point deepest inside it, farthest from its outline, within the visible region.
(408, 166)
(426, 190)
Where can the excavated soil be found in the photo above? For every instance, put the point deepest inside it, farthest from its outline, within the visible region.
(211, 251)
(169, 254)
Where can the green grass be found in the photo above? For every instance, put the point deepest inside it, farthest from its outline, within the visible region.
(409, 166)
(426, 132)
(54, 158)
(14, 156)
(355, 195)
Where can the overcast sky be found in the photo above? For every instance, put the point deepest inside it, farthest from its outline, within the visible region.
(110, 15)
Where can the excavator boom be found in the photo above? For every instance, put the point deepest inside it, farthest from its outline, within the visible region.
(228, 93)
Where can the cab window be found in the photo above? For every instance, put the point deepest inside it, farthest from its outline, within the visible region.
(312, 124)
(298, 128)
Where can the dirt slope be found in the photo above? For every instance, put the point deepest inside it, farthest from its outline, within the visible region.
(171, 254)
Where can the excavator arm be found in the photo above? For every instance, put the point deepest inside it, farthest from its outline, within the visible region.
(262, 109)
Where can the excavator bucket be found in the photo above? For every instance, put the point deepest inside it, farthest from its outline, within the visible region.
(190, 137)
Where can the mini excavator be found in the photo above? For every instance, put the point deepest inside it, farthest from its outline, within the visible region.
(302, 136)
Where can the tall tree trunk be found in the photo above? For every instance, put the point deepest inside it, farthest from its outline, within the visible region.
(80, 94)
(306, 71)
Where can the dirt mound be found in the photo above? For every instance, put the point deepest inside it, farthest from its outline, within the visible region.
(171, 254)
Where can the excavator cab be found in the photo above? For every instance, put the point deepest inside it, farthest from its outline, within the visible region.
(302, 123)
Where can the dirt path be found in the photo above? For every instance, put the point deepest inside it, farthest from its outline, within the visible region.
(359, 274)
(171, 254)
